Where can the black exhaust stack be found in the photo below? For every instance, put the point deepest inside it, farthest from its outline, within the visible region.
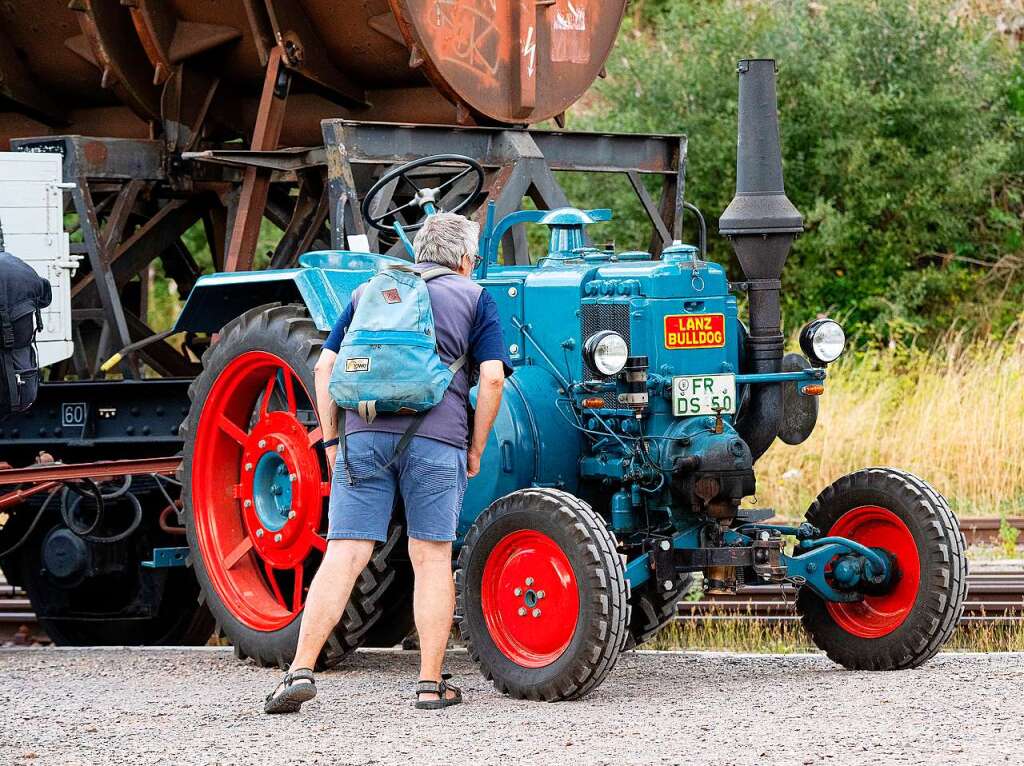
(761, 223)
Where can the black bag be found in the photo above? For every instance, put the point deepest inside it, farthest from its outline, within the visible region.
(23, 295)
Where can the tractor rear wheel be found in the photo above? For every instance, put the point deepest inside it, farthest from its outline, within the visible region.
(652, 608)
(542, 596)
(907, 624)
(255, 490)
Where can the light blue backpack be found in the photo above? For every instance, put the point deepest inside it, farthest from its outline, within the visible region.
(388, 360)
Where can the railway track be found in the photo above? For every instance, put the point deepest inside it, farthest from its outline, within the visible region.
(990, 596)
(986, 530)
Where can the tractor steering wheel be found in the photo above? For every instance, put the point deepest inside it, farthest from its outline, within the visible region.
(425, 196)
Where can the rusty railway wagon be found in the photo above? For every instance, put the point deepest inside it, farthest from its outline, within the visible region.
(169, 115)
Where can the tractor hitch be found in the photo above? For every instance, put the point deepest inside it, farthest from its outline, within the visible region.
(764, 556)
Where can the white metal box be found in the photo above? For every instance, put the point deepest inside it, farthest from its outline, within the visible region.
(32, 217)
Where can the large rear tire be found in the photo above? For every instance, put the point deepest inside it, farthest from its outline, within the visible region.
(907, 624)
(255, 490)
(652, 609)
(542, 596)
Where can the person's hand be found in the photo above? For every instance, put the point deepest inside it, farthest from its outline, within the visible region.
(473, 462)
(332, 454)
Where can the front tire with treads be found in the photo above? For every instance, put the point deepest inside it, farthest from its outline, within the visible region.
(905, 625)
(541, 596)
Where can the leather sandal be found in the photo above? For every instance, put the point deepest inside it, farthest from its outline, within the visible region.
(441, 689)
(295, 688)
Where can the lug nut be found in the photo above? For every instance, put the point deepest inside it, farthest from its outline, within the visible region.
(280, 448)
(259, 533)
(247, 503)
(540, 594)
(261, 443)
(536, 612)
(292, 477)
(529, 581)
(291, 515)
(518, 591)
(248, 466)
(277, 537)
(522, 611)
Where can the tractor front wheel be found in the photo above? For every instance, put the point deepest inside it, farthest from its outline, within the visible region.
(542, 596)
(907, 623)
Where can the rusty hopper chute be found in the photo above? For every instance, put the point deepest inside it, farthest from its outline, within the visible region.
(121, 68)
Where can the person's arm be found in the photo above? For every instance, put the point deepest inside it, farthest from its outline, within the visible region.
(490, 355)
(326, 407)
(488, 400)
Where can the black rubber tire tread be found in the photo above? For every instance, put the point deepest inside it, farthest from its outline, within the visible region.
(288, 332)
(601, 632)
(652, 609)
(942, 551)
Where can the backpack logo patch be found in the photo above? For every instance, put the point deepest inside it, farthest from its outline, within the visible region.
(391, 295)
(357, 364)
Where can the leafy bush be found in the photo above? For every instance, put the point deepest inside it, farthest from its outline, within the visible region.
(902, 147)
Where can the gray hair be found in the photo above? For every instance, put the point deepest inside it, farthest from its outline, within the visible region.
(445, 238)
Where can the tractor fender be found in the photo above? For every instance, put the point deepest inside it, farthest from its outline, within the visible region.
(324, 285)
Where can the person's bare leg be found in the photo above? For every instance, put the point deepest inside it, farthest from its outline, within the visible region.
(433, 604)
(328, 595)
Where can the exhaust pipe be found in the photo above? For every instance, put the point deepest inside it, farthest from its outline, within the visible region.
(761, 224)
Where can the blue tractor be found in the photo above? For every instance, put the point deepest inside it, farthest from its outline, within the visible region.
(626, 442)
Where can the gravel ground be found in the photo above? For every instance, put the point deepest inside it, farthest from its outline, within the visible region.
(139, 707)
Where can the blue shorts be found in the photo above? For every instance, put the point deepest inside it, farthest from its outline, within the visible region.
(430, 475)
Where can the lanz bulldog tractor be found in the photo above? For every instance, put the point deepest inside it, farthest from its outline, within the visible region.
(625, 444)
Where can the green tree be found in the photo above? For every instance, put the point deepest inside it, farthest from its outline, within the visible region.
(902, 147)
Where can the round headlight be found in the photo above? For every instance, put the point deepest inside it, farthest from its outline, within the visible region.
(607, 352)
(823, 340)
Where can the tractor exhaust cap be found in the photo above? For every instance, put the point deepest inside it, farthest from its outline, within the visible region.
(760, 221)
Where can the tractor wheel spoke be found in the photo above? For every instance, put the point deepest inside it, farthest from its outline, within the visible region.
(273, 584)
(317, 542)
(289, 391)
(297, 594)
(238, 552)
(267, 393)
(232, 429)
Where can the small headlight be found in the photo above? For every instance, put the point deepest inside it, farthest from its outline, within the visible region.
(823, 340)
(607, 352)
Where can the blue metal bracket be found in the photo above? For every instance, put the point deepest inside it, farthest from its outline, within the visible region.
(809, 569)
(811, 374)
(165, 558)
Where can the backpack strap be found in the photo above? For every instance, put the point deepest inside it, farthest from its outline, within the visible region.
(6, 329)
(435, 272)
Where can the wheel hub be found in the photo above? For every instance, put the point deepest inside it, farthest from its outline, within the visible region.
(280, 489)
(530, 598)
(879, 613)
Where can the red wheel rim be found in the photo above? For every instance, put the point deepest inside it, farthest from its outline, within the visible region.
(256, 543)
(878, 615)
(530, 599)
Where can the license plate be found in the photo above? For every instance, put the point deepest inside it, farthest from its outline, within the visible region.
(703, 395)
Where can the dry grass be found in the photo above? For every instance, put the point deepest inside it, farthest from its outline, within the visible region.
(954, 416)
(759, 636)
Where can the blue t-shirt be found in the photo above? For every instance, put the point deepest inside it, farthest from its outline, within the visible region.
(465, 321)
